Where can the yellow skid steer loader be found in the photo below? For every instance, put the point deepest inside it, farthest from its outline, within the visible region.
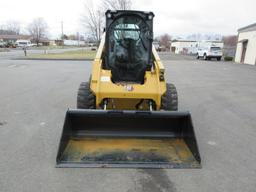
(127, 114)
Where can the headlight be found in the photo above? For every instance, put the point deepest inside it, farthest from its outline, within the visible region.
(109, 15)
(150, 16)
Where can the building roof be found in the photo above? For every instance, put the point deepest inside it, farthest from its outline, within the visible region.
(182, 40)
(251, 27)
(44, 39)
(243, 41)
(10, 37)
(193, 41)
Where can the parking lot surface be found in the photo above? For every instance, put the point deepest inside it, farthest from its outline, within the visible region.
(34, 96)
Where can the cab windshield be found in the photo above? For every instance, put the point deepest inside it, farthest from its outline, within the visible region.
(129, 42)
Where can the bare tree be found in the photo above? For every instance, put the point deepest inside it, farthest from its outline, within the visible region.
(76, 36)
(13, 27)
(117, 4)
(164, 40)
(230, 40)
(38, 29)
(10, 28)
(229, 48)
(64, 37)
(72, 37)
(93, 20)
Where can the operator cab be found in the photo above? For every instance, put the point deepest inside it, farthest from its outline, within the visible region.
(128, 53)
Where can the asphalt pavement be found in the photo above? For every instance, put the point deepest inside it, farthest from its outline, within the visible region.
(34, 96)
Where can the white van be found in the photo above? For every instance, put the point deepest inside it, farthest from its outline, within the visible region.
(23, 43)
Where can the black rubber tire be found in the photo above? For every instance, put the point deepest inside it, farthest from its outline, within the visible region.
(85, 98)
(197, 56)
(205, 57)
(219, 58)
(169, 101)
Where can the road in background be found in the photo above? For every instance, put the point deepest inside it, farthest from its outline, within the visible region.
(34, 96)
(19, 53)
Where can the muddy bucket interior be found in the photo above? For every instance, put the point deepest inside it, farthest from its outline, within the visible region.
(97, 138)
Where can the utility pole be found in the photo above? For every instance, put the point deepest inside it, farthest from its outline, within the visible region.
(62, 37)
(78, 38)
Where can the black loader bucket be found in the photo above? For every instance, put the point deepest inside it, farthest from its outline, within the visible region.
(136, 139)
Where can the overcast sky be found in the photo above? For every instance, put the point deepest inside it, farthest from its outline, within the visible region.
(181, 17)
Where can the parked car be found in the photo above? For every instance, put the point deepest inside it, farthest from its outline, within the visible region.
(161, 49)
(35, 45)
(2, 44)
(10, 45)
(209, 53)
(156, 45)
